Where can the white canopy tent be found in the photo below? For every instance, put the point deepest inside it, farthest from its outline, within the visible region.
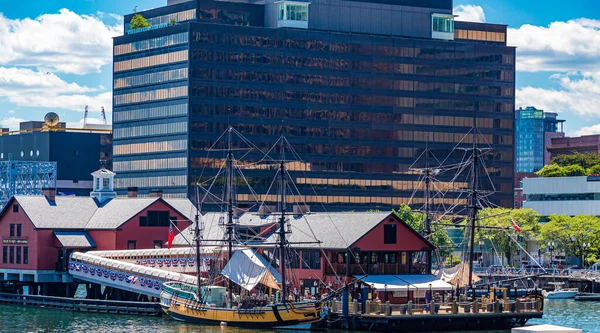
(403, 282)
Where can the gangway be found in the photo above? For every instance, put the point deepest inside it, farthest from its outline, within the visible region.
(123, 275)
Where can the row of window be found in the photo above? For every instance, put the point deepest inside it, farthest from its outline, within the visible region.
(366, 45)
(442, 24)
(149, 44)
(401, 185)
(355, 117)
(152, 95)
(15, 227)
(12, 255)
(352, 82)
(150, 130)
(463, 70)
(150, 61)
(355, 100)
(151, 78)
(186, 15)
(158, 218)
(153, 164)
(341, 199)
(149, 147)
(145, 182)
(499, 37)
(150, 113)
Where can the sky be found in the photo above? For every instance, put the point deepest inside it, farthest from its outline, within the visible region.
(56, 56)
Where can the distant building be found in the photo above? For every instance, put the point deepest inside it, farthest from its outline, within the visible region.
(580, 144)
(39, 233)
(76, 151)
(533, 131)
(563, 195)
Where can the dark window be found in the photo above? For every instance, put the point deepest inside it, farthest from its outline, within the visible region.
(12, 255)
(15, 208)
(389, 234)
(12, 230)
(158, 218)
(18, 254)
(158, 244)
(131, 245)
(4, 254)
(311, 259)
(143, 221)
(25, 255)
(173, 220)
(18, 230)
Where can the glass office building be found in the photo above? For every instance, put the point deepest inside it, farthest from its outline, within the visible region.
(534, 131)
(357, 88)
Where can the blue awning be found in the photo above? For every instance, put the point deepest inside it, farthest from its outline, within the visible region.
(404, 282)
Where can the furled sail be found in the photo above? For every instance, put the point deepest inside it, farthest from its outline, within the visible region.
(247, 269)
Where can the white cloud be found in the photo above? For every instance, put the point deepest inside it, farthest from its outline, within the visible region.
(559, 47)
(11, 122)
(469, 13)
(11, 111)
(578, 93)
(31, 88)
(589, 130)
(64, 42)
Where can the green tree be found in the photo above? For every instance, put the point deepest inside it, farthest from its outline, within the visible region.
(551, 170)
(172, 21)
(570, 233)
(586, 160)
(439, 234)
(138, 21)
(574, 170)
(595, 170)
(501, 233)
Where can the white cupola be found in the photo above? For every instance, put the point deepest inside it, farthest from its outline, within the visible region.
(103, 185)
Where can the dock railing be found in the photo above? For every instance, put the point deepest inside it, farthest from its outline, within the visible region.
(385, 309)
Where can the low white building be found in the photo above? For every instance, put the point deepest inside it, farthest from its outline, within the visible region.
(563, 195)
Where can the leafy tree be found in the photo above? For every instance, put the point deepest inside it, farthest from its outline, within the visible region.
(138, 21)
(595, 170)
(551, 170)
(172, 21)
(570, 233)
(586, 160)
(574, 170)
(439, 234)
(501, 232)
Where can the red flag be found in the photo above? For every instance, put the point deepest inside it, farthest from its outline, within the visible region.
(515, 225)
(171, 237)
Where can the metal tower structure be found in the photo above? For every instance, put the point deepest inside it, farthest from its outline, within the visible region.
(25, 178)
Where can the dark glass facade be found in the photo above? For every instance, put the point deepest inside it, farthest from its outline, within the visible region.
(357, 108)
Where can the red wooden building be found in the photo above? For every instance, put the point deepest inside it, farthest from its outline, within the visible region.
(39, 232)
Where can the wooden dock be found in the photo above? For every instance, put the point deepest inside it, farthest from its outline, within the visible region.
(82, 305)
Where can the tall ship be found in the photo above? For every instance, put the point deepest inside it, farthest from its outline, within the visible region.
(213, 304)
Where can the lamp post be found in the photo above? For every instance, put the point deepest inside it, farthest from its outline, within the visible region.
(551, 246)
(584, 248)
(481, 243)
(385, 292)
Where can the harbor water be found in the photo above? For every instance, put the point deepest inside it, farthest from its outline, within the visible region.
(583, 315)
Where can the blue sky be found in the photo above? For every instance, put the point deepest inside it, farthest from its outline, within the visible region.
(56, 55)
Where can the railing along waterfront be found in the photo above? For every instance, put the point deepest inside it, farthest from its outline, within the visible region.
(385, 309)
(577, 273)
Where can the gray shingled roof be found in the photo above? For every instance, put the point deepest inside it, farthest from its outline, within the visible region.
(333, 230)
(63, 213)
(74, 239)
(85, 213)
(328, 228)
(114, 213)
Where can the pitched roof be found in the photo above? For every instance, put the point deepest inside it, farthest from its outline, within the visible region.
(333, 230)
(62, 213)
(87, 213)
(113, 213)
(74, 239)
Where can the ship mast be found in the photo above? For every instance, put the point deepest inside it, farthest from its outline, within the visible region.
(473, 206)
(197, 238)
(427, 190)
(282, 231)
(229, 226)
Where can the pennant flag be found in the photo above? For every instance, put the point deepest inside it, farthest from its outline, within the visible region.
(171, 236)
(515, 225)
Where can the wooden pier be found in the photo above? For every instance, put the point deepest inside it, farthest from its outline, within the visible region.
(82, 305)
(451, 316)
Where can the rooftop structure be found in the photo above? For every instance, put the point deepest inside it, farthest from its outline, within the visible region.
(580, 144)
(563, 195)
(25, 178)
(357, 87)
